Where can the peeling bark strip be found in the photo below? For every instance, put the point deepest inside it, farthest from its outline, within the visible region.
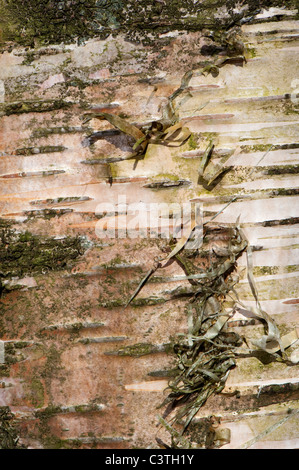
(207, 353)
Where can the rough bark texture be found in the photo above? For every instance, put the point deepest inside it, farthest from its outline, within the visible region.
(63, 289)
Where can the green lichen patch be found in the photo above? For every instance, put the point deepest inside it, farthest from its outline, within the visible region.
(47, 213)
(52, 368)
(4, 370)
(24, 253)
(193, 141)
(267, 147)
(44, 149)
(46, 22)
(5, 223)
(140, 349)
(48, 439)
(46, 131)
(47, 413)
(13, 353)
(32, 106)
(37, 393)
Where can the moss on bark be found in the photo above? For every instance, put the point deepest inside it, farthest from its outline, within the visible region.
(43, 22)
(24, 253)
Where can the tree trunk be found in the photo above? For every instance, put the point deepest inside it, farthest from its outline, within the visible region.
(78, 367)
